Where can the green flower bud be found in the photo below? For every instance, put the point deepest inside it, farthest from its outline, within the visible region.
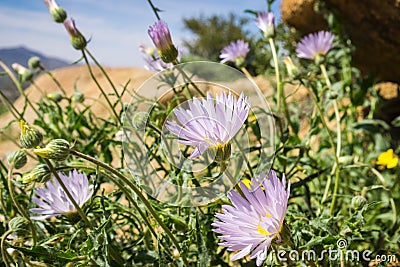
(291, 68)
(222, 152)
(358, 202)
(34, 62)
(56, 149)
(12, 252)
(57, 13)
(169, 55)
(18, 158)
(78, 97)
(139, 120)
(41, 173)
(25, 74)
(19, 226)
(176, 254)
(78, 41)
(56, 97)
(30, 137)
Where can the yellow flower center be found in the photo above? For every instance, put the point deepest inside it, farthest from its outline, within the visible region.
(248, 183)
(262, 230)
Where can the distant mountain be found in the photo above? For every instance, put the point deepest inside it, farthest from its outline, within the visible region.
(21, 55)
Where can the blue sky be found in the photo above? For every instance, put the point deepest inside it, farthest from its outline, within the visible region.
(116, 27)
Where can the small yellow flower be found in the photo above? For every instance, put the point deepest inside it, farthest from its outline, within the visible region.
(388, 159)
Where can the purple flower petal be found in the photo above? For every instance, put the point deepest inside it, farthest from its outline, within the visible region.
(254, 221)
(53, 200)
(209, 122)
(234, 51)
(315, 44)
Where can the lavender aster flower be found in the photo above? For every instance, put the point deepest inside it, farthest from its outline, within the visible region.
(314, 45)
(161, 37)
(253, 222)
(52, 199)
(235, 52)
(265, 21)
(210, 123)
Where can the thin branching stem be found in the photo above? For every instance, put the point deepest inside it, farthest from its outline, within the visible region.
(138, 192)
(99, 86)
(338, 140)
(18, 206)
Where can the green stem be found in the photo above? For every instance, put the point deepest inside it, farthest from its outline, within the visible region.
(11, 106)
(187, 79)
(19, 87)
(18, 206)
(338, 141)
(155, 10)
(331, 140)
(78, 209)
(104, 73)
(230, 177)
(279, 85)
(126, 193)
(277, 76)
(53, 79)
(99, 86)
(3, 251)
(137, 191)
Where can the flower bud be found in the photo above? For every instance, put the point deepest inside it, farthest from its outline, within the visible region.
(265, 21)
(41, 173)
(56, 97)
(25, 74)
(18, 158)
(358, 202)
(30, 137)
(222, 152)
(176, 254)
(57, 13)
(161, 37)
(139, 120)
(78, 41)
(56, 149)
(291, 68)
(78, 97)
(19, 225)
(12, 252)
(34, 62)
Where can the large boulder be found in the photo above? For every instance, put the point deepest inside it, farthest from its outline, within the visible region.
(373, 27)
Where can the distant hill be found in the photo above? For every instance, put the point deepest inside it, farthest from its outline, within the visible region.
(21, 55)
